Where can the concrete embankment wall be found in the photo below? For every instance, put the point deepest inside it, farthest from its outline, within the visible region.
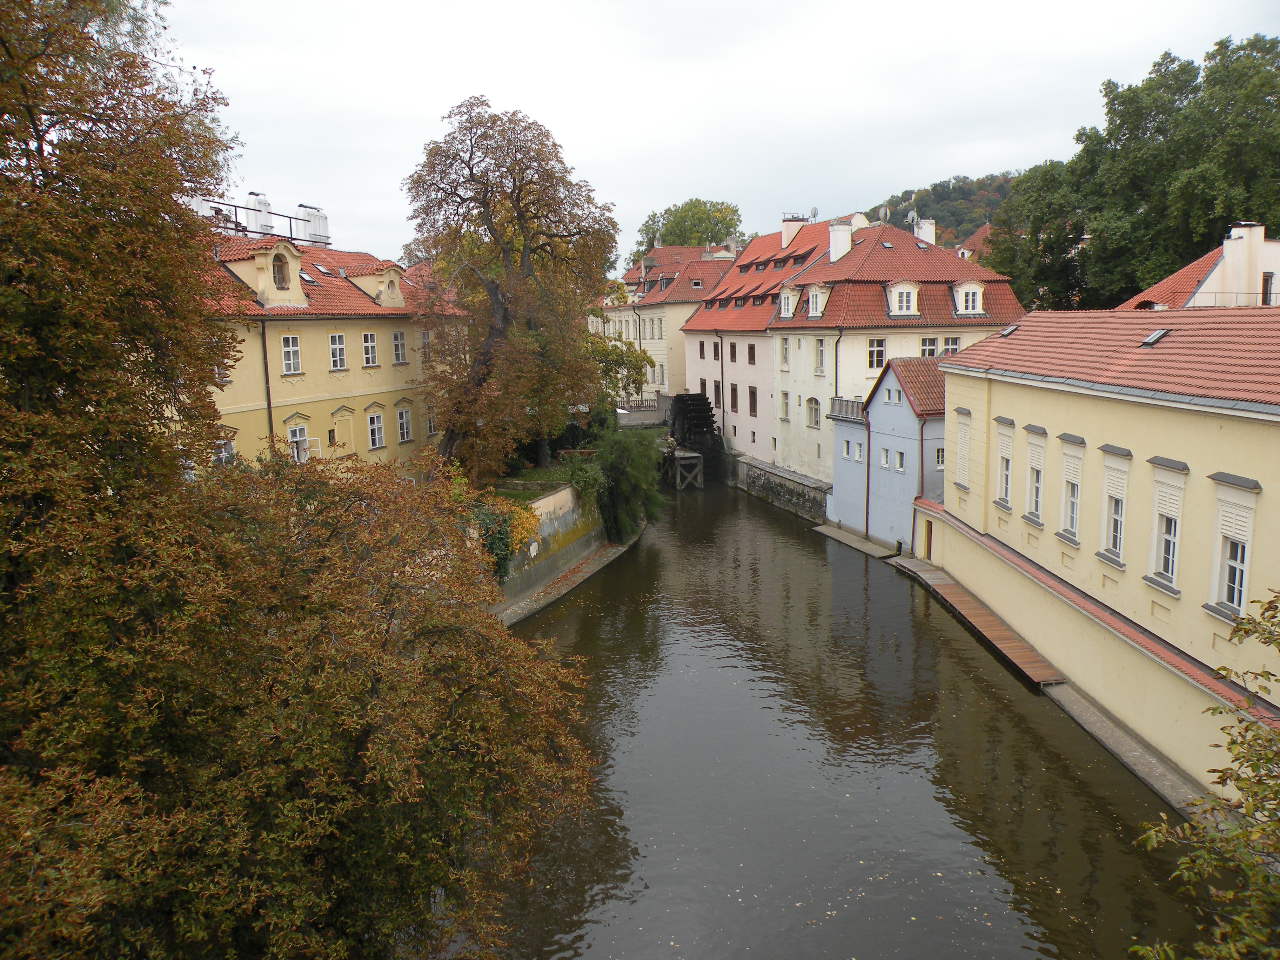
(783, 488)
(568, 531)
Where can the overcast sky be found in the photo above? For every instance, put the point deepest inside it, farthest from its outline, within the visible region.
(780, 105)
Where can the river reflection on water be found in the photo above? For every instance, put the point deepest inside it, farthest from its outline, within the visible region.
(804, 756)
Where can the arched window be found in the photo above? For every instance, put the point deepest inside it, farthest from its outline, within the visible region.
(814, 411)
(280, 270)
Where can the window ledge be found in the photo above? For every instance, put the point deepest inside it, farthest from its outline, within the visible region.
(960, 486)
(1003, 505)
(1221, 611)
(811, 426)
(401, 363)
(1033, 520)
(409, 440)
(1162, 585)
(370, 366)
(1067, 538)
(382, 447)
(339, 369)
(300, 373)
(1110, 558)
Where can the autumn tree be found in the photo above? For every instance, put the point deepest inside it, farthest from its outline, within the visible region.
(1182, 155)
(256, 712)
(1231, 845)
(526, 247)
(692, 223)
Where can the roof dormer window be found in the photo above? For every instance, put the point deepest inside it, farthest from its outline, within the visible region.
(903, 300)
(280, 271)
(785, 305)
(696, 284)
(969, 298)
(664, 283)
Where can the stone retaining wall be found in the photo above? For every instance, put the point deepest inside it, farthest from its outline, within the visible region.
(791, 491)
(568, 530)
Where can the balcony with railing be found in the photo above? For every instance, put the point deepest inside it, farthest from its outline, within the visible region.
(843, 408)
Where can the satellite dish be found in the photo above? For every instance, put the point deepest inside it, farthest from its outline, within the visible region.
(913, 217)
(884, 214)
(813, 213)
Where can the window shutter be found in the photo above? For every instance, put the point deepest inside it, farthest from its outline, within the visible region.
(1115, 482)
(1234, 520)
(1168, 500)
(1035, 454)
(1006, 445)
(962, 445)
(1071, 469)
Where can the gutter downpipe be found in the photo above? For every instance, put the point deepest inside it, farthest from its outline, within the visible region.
(266, 386)
(836, 384)
(919, 489)
(724, 391)
(866, 519)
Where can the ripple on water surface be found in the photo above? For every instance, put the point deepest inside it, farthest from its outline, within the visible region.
(802, 755)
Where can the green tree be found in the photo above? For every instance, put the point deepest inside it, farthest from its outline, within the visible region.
(959, 205)
(1182, 155)
(246, 713)
(1232, 843)
(525, 247)
(629, 460)
(692, 223)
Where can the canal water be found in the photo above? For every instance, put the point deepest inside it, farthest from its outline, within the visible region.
(802, 755)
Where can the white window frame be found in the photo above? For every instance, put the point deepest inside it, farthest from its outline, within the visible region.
(785, 305)
(1165, 561)
(399, 351)
(846, 449)
(813, 412)
(884, 458)
(404, 424)
(1115, 472)
(877, 352)
(904, 301)
(224, 451)
(928, 346)
(950, 345)
(299, 443)
(815, 303)
(1168, 489)
(857, 452)
(1004, 475)
(786, 353)
(940, 458)
(337, 351)
(369, 342)
(1035, 477)
(291, 354)
(820, 357)
(377, 437)
(1235, 522)
(786, 406)
(1071, 508)
(1006, 469)
(900, 461)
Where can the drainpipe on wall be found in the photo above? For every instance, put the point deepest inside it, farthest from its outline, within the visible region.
(919, 489)
(266, 386)
(866, 519)
(836, 384)
(724, 390)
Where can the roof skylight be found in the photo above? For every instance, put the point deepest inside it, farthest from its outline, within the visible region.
(307, 277)
(922, 245)
(323, 269)
(1008, 330)
(886, 244)
(1155, 337)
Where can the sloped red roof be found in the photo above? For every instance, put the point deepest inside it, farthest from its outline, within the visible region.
(423, 293)
(979, 242)
(1177, 289)
(864, 304)
(331, 294)
(922, 382)
(906, 258)
(1224, 354)
(666, 259)
(681, 290)
(810, 241)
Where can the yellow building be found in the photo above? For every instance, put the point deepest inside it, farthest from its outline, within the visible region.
(329, 353)
(1113, 493)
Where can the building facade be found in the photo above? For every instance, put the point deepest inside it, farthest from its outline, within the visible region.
(1109, 479)
(1240, 273)
(329, 353)
(889, 451)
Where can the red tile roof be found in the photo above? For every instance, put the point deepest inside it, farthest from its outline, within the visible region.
(667, 259)
(1227, 354)
(811, 239)
(907, 258)
(331, 294)
(1176, 290)
(921, 381)
(709, 273)
(866, 305)
(979, 242)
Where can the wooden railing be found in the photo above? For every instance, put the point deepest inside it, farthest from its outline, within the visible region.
(847, 409)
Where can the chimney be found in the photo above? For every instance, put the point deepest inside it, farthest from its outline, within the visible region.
(791, 224)
(260, 220)
(316, 229)
(1241, 269)
(927, 230)
(841, 235)
(859, 221)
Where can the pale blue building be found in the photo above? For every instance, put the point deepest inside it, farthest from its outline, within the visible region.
(889, 450)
